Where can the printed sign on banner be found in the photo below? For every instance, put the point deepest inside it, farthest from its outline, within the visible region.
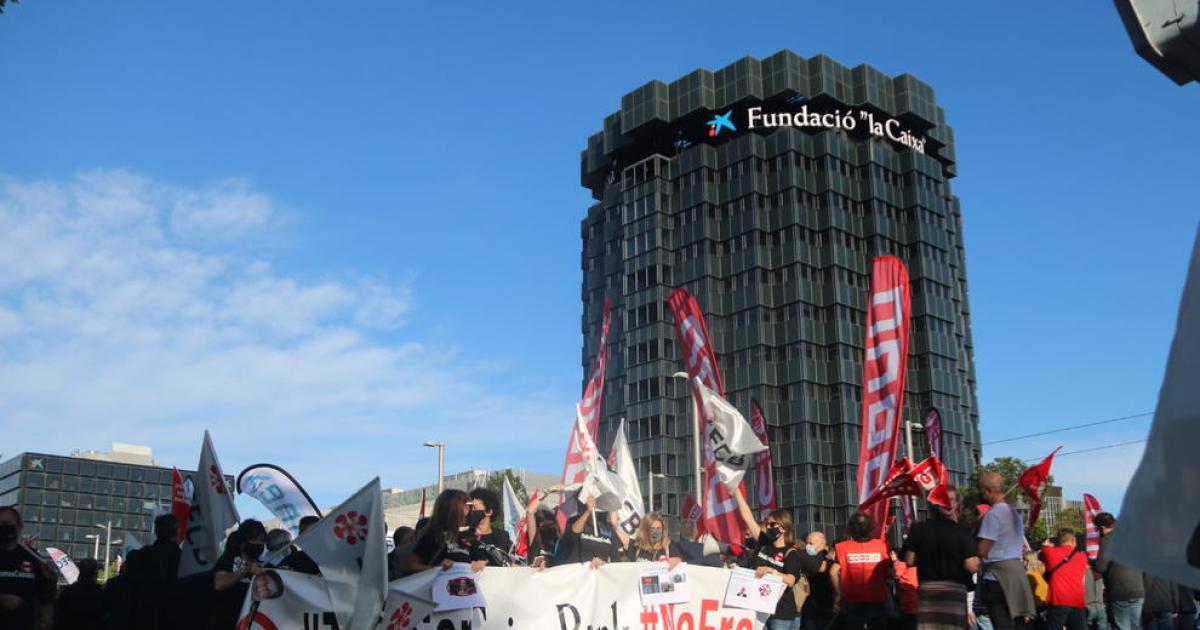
(753, 593)
(659, 584)
(456, 589)
(63, 563)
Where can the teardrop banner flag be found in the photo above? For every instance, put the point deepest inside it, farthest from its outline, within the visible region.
(279, 492)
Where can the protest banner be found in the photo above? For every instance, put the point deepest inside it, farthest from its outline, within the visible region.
(279, 492)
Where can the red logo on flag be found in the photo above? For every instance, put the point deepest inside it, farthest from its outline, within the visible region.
(214, 478)
(401, 617)
(260, 620)
(350, 526)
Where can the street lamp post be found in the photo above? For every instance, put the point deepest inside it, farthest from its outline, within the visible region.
(664, 478)
(696, 426)
(95, 547)
(107, 545)
(908, 427)
(441, 447)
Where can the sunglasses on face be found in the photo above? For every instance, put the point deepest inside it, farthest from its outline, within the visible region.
(772, 524)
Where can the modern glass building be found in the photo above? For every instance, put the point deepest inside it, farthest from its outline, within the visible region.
(63, 499)
(766, 188)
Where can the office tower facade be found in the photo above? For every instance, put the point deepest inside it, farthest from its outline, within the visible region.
(767, 188)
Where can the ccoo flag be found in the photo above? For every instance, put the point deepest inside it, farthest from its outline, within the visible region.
(631, 512)
(279, 492)
(1091, 507)
(210, 514)
(764, 478)
(884, 369)
(348, 546)
(730, 438)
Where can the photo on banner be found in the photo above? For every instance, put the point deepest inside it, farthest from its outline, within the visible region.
(754, 593)
(658, 584)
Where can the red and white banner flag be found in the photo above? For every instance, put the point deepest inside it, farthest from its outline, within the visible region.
(522, 545)
(1033, 482)
(1091, 507)
(764, 477)
(884, 370)
(574, 469)
(933, 431)
(179, 503)
(720, 508)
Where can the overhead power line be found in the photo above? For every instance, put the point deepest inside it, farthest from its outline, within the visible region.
(1087, 450)
(1071, 428)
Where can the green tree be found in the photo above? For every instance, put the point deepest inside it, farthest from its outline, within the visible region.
(2, 5)
(1038, 532)
(1070, 517)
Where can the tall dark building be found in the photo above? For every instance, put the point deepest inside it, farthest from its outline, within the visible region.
(766, 188)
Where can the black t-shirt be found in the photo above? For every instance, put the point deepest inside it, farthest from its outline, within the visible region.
(464, 548)
(821, 593)
(21, 575)
(80, 606)
(299, 562)
(784, 560)
(227, 604)
(652, 555)
(941, 546)
(600, 542)
(498, 539)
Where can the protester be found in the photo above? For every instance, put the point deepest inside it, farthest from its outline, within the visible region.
(152, 572)
(591, 536)
(1124, 589)
(235, 569)
(1000, 541)
(447, 538)
(1034, 570)
(485, 507)
(296, 559)
(1065, 574)
(945, 557)
(907, 586)
(652, 543)
(1093, 586)
(26, 581)
(404, 538)
(80, 606)
(977, 617)
(1161, 605)
(774, 552)
(542, 535)
(819, 566)
(118, 600)
(279, 543)
(862, 580)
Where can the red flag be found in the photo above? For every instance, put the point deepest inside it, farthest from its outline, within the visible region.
(692, 510)
(721, 517)
(180, 506)
(523, 526)
(904, 479)
(422, 513)
(764, 478)
(1033, 481)
(884, 369)
(1091, 507)
(933, 430)
(589, 407)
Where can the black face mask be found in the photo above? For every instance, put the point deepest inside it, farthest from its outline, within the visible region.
(8, 533)
(771, 534)
(475, 518)
(548, 533)
(252, 550)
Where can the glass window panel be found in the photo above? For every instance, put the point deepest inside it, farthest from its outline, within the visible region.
(35, 479)
(54, 464)
(87, 469)
(137, 474)
(104, 471)
(31, 496)
(71, 467)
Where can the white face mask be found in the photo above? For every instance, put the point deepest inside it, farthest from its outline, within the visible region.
(811, 549)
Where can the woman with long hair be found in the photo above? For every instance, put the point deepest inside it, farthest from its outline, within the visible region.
(652, 544)
(448, 537)
(776, 553)
(541, 532)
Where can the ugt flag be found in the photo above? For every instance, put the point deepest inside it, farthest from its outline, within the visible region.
(348, 546)
(210, 514)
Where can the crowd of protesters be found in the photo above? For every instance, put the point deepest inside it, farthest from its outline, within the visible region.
(946, 575)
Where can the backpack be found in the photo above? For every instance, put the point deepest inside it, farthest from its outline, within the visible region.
(802, 589)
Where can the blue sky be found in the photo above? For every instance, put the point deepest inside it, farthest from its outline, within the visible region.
(332, 232)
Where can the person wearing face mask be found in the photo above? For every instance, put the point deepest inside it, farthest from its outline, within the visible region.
(542, 535)
(863, 579)
(775, 554)
(819, 566)
(591, 536)
(237, 566)
(485, 506)
(652, 543)
(448, 537)
(26, 583)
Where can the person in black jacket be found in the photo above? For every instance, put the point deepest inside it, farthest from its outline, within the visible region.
(1160, 606)
(152, 572)
(80, 606)
(1124, 591)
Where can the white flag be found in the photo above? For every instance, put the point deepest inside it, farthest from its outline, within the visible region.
(403, 610)
(212, 513)
(348, 546)
(513, 512)
(631, 512)
(63, 563)
(1159, 528)
(728, 436)
(130, 545)
(600, 483)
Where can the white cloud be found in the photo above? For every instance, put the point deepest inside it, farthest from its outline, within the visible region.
(135, 311)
